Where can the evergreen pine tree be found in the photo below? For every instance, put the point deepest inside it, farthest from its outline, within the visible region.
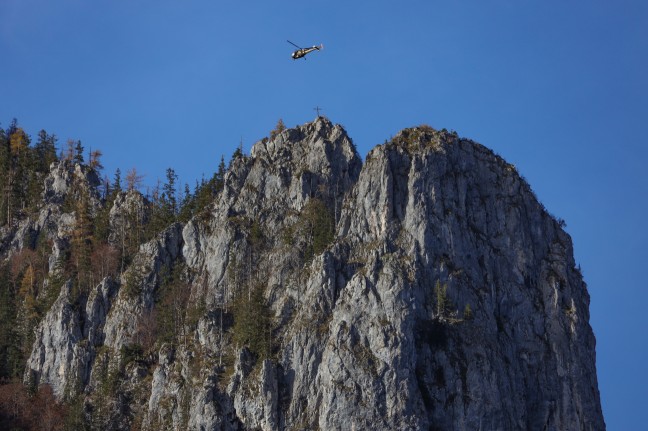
(317, 226)
(117, 181)
(238, 153)
(169, 200)
(82, 243)
(253, 322)
(220, 174)
(187, 205)
(78, 152)
(45, 150)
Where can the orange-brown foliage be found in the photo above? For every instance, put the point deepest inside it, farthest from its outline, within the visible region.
(21, 410)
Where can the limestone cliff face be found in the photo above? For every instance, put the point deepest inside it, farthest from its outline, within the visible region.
(425, 289)
(442, 209)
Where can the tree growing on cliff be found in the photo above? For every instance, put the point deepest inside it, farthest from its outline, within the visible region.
(171, 306)
(82, 243)
(78, 152)
(441, 293)
(253, 322)
(22, 170)
(164, 208)
(468, 313)
(45, 151)
(316, 225)
(280, 127)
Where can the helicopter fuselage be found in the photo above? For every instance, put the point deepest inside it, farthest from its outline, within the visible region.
(301, 52)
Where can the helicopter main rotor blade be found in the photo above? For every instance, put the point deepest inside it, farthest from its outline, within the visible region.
(294, 44)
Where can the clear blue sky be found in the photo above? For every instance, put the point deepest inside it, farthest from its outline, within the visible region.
(558, 88)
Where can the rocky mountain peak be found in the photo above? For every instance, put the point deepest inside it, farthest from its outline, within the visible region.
(319, 155)
(67, 177)
(425, 289)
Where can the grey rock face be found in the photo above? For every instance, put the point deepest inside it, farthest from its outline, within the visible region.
(437, 208)
(138, 284)
(63, 178)
(67, 338)
(427, 289)
(270, 188)
(58, 357)
(129, 211)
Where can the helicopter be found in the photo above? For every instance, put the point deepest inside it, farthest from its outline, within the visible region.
(301, 52)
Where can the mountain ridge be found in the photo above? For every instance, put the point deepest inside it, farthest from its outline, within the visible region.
(426, 288)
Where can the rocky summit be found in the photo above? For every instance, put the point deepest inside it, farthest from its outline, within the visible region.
(425, 288)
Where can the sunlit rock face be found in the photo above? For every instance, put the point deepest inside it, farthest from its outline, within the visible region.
(426, 288)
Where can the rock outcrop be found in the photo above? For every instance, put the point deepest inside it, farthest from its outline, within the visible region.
(424, 289)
